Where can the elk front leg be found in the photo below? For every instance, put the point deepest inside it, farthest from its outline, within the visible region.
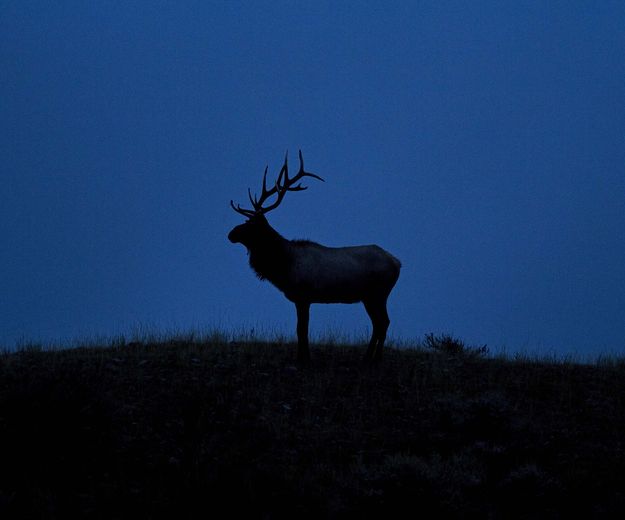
(303, 352)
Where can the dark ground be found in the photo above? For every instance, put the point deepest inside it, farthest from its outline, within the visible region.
(180, 429)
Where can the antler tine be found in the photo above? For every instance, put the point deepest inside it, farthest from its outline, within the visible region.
(299, 187)
(284, 172)
(301, 161)
(301, 169)
(245, 212)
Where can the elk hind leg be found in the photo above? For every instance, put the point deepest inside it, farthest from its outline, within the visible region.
(376, 309)
(303, 352)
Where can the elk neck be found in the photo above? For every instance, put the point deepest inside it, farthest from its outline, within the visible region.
(269, 256)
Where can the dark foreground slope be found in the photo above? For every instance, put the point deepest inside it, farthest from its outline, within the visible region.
(179, 428)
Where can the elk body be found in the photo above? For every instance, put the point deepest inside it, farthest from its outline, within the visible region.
(307, 272)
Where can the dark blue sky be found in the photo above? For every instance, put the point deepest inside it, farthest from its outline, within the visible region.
(482, 143)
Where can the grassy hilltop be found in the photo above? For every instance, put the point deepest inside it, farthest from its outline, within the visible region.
(171, 429)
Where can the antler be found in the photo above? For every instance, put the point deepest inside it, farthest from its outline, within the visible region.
(282, 185)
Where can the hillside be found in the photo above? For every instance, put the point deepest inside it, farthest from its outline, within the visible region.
(179, 427)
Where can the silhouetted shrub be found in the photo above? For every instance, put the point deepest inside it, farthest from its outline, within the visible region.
(447, 344)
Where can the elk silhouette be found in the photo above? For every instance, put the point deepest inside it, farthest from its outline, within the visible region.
(307, 272)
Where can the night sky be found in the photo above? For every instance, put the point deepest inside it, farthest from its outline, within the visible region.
(482, 143)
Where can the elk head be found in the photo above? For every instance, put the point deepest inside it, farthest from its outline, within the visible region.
(256, 228)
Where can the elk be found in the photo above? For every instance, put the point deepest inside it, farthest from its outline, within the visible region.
(307, 272)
